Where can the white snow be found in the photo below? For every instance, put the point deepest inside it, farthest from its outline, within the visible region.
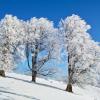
(19, 87)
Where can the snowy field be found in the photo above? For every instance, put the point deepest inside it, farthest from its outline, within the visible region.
(20, 87)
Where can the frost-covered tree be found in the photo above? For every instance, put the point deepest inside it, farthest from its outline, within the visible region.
(95, 67)
(11, 31)
(40, 35)
(80, 48)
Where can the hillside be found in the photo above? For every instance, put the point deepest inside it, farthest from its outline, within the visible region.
(20, 87)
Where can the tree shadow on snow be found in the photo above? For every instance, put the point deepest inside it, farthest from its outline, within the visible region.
(46, 85)
(28, 97)
(41, 84)
(18, 79)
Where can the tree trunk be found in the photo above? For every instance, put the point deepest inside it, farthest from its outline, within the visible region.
(69, 85)
(69, 88)
(34, 74)
(2, 73)
(70, 75)
(34, 67)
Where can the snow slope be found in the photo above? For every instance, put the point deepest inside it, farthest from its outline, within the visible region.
(20, 87)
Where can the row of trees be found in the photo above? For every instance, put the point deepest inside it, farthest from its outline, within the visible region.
(37, 35)
(34, 36)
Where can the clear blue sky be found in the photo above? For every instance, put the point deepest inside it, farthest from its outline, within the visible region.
(55, 10)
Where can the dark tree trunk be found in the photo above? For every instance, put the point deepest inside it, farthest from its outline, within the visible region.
(70, 75)
(34, 74)
(69, 85)
(69, 88)
(34, 67)
(34, 71)
(2, 73)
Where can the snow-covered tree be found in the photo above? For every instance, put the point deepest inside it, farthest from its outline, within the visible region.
(80, 48)
(40, 35)
(95, 67)
(11, 31)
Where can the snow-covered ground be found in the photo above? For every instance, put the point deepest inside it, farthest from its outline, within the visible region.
(20, 87)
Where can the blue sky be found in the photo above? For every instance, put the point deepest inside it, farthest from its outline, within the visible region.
(55, 10)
